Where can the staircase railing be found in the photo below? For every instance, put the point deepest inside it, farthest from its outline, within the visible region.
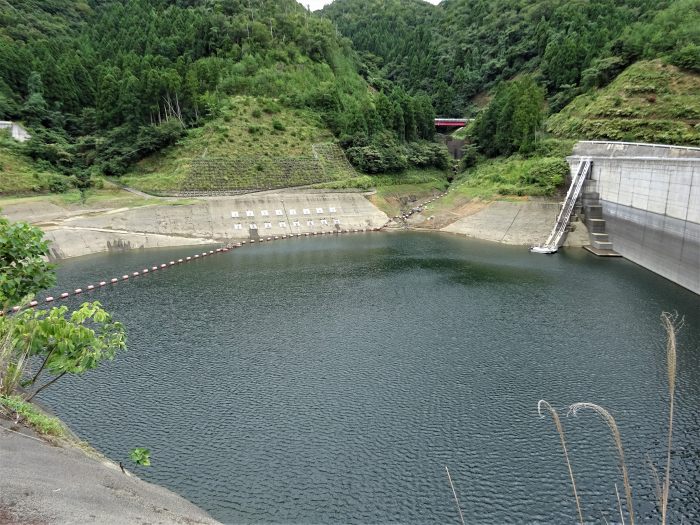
(555, 237)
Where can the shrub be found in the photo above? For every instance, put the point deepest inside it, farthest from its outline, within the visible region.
(687, 57)
(256, 113)
(470, 156)
(279, 126)
(547, 173)
(58, 184)
(271, 106)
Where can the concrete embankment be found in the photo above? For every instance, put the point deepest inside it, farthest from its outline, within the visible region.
(222, 219)
(520, 223)
(42, 483)
(648, 196)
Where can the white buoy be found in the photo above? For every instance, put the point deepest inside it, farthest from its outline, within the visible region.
(125, 277)
(154, 268)
(114, 280)
(49, 299)
(103, 283)
(135, 274)
(188, 259)
(78, 291)
(163, 265)
(32, 304)
(63, 296)
(145, 270)
(90, 287)
(180, 260)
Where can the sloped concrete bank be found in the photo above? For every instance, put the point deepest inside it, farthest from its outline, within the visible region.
(42, 483)
(221, 219)
(518, 223)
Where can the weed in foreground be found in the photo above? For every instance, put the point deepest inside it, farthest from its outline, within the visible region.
(671, 324)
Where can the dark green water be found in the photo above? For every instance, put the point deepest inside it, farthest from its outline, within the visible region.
(331, 380)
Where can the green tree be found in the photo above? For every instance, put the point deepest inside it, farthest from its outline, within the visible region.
(512, 119)
(35, 109)
(66, 342)
(61, 342)
(24, 270)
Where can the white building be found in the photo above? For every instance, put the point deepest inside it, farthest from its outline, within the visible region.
(17, 131)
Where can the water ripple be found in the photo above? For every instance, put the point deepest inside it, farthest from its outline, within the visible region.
(331, 380)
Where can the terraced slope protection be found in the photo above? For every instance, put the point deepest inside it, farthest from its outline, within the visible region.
(649, 102)
(230, 176)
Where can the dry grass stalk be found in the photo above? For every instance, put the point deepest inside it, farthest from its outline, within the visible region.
(612, 425)
(657, 482)
(454, 493)
(562, 438)
(619, 505)
(671, 324)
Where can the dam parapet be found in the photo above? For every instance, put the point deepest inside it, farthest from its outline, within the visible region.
(645, 202)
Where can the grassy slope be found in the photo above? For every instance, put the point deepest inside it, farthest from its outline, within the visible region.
(648, 102)
(247, 127)
(17, 173)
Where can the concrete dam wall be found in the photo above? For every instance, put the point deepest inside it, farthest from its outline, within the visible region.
(221, 219)
(650, 200)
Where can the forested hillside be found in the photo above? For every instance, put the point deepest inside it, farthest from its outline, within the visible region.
(461, 48)
(102, 84)
(138, 88)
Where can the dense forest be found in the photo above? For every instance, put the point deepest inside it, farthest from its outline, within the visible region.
(103, 83)
(462, 48)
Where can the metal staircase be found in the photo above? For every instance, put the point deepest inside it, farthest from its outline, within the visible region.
(555, 238)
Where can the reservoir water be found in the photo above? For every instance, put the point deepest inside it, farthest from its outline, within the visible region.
(331, 380)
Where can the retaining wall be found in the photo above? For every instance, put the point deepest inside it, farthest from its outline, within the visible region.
(223, 219)
(650, 197)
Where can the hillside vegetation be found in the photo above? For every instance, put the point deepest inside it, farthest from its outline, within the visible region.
(233, 94)
(248, 127)
(649, 102)
(461, 48)
(103, 85)
(18, 174)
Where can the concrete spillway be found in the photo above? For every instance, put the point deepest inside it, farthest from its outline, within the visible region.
(650, 200)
